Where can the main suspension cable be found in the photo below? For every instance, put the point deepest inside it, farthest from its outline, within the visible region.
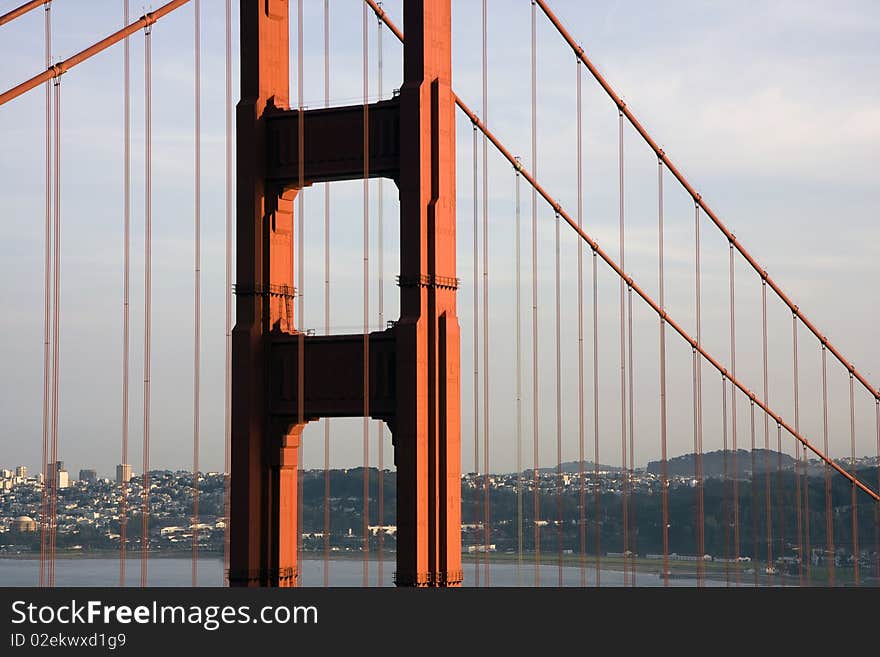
(22, 10)
(539, 189)
(612, 94)
(67, 64)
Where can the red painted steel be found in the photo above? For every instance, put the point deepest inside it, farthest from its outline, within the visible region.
(664, 478)
(22, 10)
(62, 67)
(412, 372)
(579, 51)
(736, 537)
(476, 320)
(47, 285)
(518, 400)
(487, 527)
(56, 330)
(829, 518)
(366, 274)
(126, 287)
(580, 259)
(855, 501)
(536, 481)
(227, 297)
(300, 278)
(624, 484)
(197, 289)
(148, 204)
(769, 507)
(799, 472)
(327, 303)
(656, 308)
(698, 407)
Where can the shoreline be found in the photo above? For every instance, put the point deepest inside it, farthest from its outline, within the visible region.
(718, 572)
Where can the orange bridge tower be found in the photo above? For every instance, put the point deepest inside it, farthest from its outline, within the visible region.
(281, 378)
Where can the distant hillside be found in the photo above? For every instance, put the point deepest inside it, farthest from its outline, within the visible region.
(714, 463)
(573, 466)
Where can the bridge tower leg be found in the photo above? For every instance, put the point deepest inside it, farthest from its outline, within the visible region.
(264, 450)
(427, 435)
(413, 366)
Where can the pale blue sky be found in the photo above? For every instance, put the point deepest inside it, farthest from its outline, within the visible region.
(772, 110)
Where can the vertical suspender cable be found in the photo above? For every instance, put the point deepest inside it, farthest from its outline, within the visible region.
(126, 281)
(855, 512)
(197, 298)
(798, 472)
(145, 502)
(366, 528)
(780, 510)
(56, 301)
(767, 503)
(227, 295)
(300, 243)
(559, 481)
(733, 444)
(518, 331)
(754, 501)
(829, 520)
(327, 302)
(47, 286)
(486, 510)
(477, 496)
(664, 478)
(877, 506)
(580, 252)
(597, 490)
(624, 475)
(698, 407)
(381, 302)
(632, 500)
(536, 481)
(725, 501)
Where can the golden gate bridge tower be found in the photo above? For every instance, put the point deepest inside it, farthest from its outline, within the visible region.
(406, 375)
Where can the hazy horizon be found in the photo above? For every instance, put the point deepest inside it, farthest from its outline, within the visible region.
(772, 110)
